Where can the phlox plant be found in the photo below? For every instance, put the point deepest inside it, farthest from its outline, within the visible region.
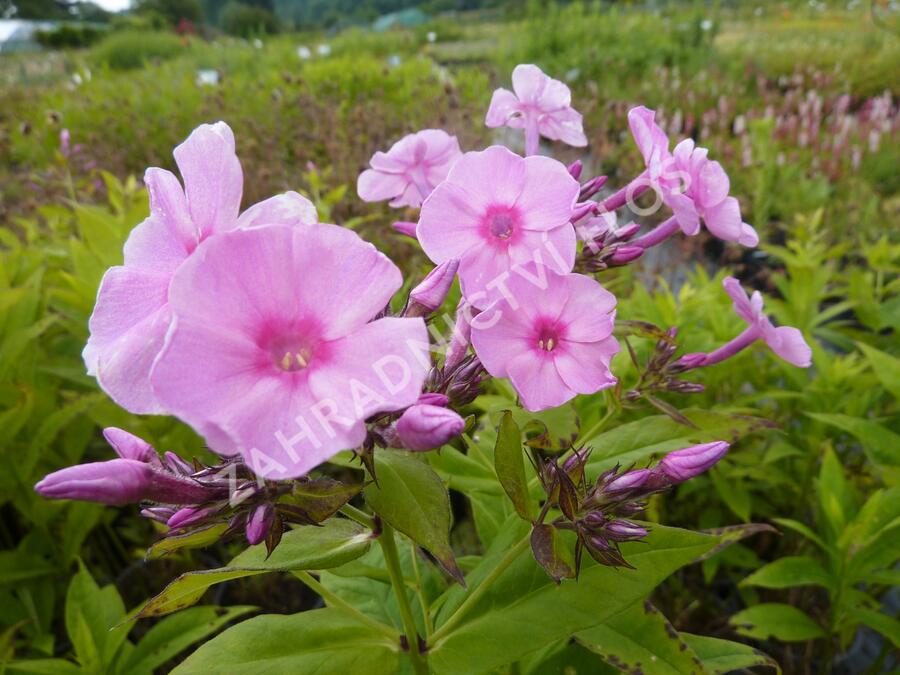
(280, 340)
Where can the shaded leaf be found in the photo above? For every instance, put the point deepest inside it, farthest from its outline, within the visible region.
(510, 465)
(776, 620)
(550, 553)
(724, 656)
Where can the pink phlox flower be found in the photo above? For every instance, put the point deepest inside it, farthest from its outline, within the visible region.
(408, 172)
(550, 334)
(496, 210)
(786, 341)
(540, 105)
(131, 315)
(275, 351)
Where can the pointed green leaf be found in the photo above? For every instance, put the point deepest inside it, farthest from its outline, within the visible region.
(550, 553)
(194, 539)
(776, 620)
(316, 641)
(724, 656)
(510, 465)
(885, 367)
(411, 497)
(880, 444)
(638, 636)
(305, 548)
(789, 572)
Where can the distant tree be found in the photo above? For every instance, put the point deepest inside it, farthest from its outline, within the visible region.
(173, 11)
(244, 20)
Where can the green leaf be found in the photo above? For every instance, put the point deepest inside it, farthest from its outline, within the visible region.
(802, 529)
(884, 624)
(305, 548)
(636, 441)
(175, 633)
(411, 497)
(732, 491)
(881, 445)
(835, 499)
(510, 465)
(44, 667)
(724, 656)
(321, 497)
(317, 641)
(524, 610)
(638, 636)
(92, 614)
(885, 367)
(775, 620)
(789, 572)
(194, 539)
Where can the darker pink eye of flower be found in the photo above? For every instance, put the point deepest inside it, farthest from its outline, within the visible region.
(291, 352)
(501, 222)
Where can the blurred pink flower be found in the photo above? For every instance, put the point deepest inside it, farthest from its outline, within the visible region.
(551, 335)
(497, 209)
(785, 341)
(273, 352)
(131, 316)
(408, 172)
(650, 139)
(540, 105)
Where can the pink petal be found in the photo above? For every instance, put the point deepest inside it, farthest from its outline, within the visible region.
(788, 343)
(650, 139)
(483, 264)
(548, 194)
(564, 125)
(589, 313)
(499, 335)
(584, 366)
(685, 213)
(724, 220)
(749, 237)
(555, 248)
(503, 108)
(492, 176)
(154, 247)
(538, 383)
(389, 162)
(411, 196)
(528, 81)
(127, 328)
(448, 224)
(713, 184)
(376, 186)
(212, 176)
(379, 367)
(168, 204)
(288, 208)
(741, 302)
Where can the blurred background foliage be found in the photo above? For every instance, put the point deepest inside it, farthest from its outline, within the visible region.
(797, 100)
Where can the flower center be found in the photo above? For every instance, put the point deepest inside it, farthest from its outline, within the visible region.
(291, 353)
(502, 225)
(548, 339)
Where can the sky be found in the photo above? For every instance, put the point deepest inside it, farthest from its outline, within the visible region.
(113, 5)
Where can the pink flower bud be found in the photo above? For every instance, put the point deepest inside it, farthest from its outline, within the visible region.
(581, 210)
(626, 232)
(425, 427)
(404, 227)
(625, 530)
(129, 446)
(190, 515)
(626, 254)
(575, 169)
(690, 361)
(116, 482)
(628, 481)
(429, 295)
(433, 398)
(259, 523)
(682, 465)
(64, 138)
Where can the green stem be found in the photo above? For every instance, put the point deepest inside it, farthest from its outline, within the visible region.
(337, 601)
(420, 592)
(479, 591)
(358, 515)
(392, 559)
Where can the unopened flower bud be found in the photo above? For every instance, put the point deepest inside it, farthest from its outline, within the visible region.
(626, 232)
(599, 543)
(190, 515)
(689, 362)
(625, 530)
(425, 427)
(591, 187)
(626, 254)
(630, 480)
(429, 295)
(119, 481)
(433, 398)
(582, 210)
(595, 520)
(461, 336)
(575, 169)
(178, 465)
(404, 227)
(259, 523)
(129, 446)
(158, 513)
(682, 465)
